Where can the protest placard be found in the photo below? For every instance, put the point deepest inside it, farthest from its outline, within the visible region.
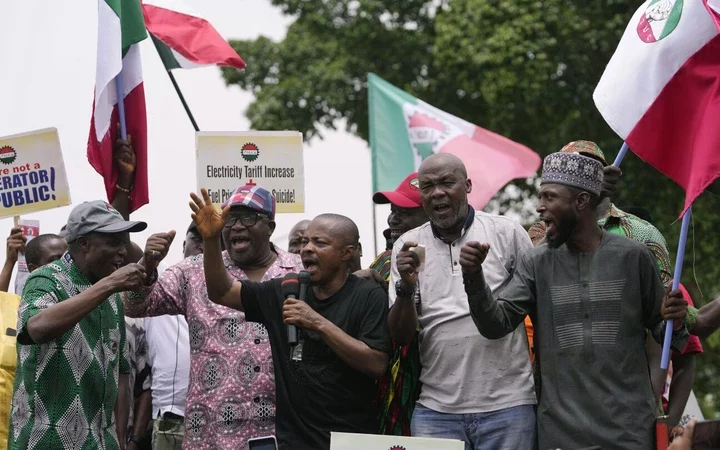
(356, 441)
(32, 173)
(270, 159)
(30, 229)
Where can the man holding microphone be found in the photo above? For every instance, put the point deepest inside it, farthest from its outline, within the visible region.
(327, 382)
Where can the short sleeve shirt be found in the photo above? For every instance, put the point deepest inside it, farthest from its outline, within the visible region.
(65, 389)
(321, 393)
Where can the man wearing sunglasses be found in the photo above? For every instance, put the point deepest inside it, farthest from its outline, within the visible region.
(231, 393)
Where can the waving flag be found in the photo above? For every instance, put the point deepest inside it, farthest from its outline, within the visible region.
(184, 39)
(661, 91)
(405, 130)
(120, 29)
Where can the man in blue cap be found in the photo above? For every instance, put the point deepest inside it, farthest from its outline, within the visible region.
(231, 395)
(71, 333)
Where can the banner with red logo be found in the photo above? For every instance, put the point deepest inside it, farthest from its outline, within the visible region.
(272, 160)
(32, 173)
(354, 441)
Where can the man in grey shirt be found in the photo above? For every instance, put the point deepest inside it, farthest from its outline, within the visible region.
(473, 389)
(591, 295)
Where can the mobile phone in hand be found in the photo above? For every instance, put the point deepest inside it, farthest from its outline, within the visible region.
(263, 443)
(706, 435)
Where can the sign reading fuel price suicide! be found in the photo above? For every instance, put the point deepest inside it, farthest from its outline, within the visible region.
(270, 159)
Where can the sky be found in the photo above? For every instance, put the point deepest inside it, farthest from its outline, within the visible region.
(48, 56)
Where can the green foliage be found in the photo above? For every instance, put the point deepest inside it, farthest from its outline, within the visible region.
(525, 69)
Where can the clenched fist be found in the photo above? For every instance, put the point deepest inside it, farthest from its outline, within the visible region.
(127, 278)
(472, 255)
(407, 264)
(156, 249)
(15, 244)
(674, 306)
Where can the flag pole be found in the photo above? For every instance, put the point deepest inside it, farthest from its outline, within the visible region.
(182, 100)
(374, 221)
(621, 155)
(664, 361)
(679, 258)
(121, 104)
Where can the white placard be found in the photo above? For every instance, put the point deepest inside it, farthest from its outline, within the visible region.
(353, 441)
(270, 159)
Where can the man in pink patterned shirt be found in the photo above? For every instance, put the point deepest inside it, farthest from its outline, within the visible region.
(231, 394)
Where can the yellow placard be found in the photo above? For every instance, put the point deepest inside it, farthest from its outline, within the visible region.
(270, 159)
(32, 173)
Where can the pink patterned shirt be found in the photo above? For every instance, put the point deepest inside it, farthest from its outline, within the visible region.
(231, 394)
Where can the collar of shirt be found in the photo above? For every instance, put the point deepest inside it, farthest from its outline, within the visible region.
(468, 221)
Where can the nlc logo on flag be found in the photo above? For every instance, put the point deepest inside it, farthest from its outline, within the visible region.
(428, 131)
(660, 19)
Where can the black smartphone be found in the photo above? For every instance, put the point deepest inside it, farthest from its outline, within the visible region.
(706, 435)
(263, 443)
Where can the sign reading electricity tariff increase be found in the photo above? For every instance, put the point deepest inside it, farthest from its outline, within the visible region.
(270, 159)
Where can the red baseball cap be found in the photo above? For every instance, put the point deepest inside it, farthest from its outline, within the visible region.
(406, 195)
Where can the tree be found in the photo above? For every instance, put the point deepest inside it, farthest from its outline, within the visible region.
(523, 68)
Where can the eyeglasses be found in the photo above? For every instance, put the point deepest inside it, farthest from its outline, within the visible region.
(247, 220)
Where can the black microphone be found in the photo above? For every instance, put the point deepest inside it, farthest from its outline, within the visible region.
(291, 289)
(304, 277)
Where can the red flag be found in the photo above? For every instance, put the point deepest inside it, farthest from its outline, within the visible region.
(661, 92)
(184, 39)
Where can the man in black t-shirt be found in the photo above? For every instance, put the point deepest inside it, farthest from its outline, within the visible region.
(327, 382)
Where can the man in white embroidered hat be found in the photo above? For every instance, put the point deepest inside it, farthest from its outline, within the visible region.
(591, 295)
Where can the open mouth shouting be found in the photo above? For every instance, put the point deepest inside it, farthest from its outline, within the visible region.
(239, 243)
(442, 209)
(311, 264)
(550, 226)
(395, 233)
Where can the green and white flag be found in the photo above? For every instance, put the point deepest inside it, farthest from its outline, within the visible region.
(404, 131)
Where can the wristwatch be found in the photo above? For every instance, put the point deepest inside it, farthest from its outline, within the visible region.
(400, 290)
(135, 439)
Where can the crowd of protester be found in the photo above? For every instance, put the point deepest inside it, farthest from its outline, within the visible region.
(467, 326)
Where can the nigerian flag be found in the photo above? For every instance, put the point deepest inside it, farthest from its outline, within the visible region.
(120, 30)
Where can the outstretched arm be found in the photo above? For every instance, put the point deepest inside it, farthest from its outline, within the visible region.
(222, 288)
(495, 318)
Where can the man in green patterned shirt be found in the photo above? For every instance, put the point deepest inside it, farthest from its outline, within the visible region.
(71, 336)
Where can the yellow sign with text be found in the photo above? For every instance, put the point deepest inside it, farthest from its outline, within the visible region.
(32, 173)
(272, 160)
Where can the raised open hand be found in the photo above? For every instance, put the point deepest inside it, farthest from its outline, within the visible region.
(209, 223)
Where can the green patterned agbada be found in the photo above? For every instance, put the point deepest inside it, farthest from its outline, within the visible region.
(65, 389)
(633, 227)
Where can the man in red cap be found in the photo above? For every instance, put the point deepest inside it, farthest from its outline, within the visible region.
(406, 213)
(396, 406)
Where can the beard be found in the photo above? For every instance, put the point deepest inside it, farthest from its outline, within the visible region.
(565, 228)
(459, 215)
